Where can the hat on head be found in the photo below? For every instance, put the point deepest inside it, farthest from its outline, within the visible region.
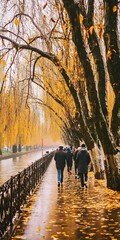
(60, 147)
(83, 146)
(68, 149)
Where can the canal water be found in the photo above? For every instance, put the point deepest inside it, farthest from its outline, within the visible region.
(11, 166)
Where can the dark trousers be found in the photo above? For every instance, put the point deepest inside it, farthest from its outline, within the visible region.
(76, 168)
(69, 168)
(83, 178)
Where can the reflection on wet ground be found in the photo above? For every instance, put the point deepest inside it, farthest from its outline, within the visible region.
(10, 167)
(71, 212)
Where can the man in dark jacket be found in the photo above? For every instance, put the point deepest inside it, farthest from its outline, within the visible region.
(60, 158)
(83, 159)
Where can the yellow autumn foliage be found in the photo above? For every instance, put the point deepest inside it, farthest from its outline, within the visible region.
(111, 98)
(109, 54)
(81, 18)
(114, 8)
(91, 29)
(2, 62)
(18, 125)
(2, 67)
(16, 22)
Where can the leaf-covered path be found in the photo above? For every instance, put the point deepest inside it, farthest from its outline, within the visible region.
(70, 212)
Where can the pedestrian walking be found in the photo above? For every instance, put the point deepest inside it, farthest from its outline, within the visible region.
(75, 161)
(83, 160)
(60, 159)
(69, 156)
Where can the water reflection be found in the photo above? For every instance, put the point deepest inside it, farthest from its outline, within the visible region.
(10, 167)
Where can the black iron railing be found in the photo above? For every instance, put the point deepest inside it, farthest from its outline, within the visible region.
(15, 192)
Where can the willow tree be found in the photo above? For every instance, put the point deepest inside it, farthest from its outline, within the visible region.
(32, 28)
(68, 94)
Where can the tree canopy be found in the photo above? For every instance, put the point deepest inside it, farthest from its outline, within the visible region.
(64, 56)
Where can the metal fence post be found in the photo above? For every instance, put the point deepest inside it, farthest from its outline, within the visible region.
(19, 200)
(29, 179)
(11, 202)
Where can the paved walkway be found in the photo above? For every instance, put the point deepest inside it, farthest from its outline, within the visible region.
(70, 212)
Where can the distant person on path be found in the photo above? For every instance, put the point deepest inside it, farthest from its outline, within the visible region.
(69, 156)
(60, 159)
(75, 161)
(83, 160)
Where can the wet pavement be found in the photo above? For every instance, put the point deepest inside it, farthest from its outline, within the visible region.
(12, 165)
(70, 212)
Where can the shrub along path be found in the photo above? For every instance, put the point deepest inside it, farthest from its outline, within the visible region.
(70, 212)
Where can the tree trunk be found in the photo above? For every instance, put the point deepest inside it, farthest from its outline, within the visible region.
(98, 163)
(0, 151)
(19, 148)
(113, 171)
(96, 53)
(113, 57)
(104, 133)
(14, 148)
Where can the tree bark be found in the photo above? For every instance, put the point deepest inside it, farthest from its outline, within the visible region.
(113, 171)
(103, 131)
(113, 58)
(98, 163)
(96, 53)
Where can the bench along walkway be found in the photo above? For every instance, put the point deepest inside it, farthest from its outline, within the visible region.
(70, 212)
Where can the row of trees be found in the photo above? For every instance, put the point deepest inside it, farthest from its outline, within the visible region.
(19, 125)
(69, 49)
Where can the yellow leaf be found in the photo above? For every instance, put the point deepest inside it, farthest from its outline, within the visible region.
(4, 78)
(87, 34)
(16, 22)
(66, 88)
(100, 33)
(3, 42)
(44, 18)
(54, 237)
(65, 43)
(81, 18)
(104, 226)
(64, 233)
(109, 54)
(47, 227)
(91, 234)
(60, 54)
(18, 226)
(91, 29)
(114, 8)
(38, 229)
(2, 62)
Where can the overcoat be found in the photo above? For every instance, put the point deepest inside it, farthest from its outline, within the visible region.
(69, 156)
(83, 159)
(60, 158)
